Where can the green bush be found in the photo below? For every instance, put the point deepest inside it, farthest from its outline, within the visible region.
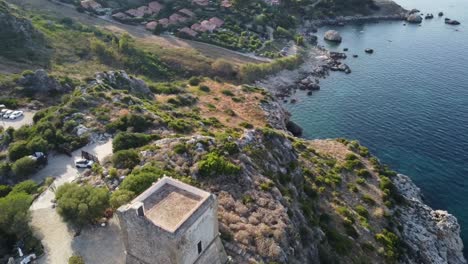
(121, 197)
(391, 244)
(126, 140)
(363, 173)
(125, 159)
(227, 92)
(362, 211)
(76, 260)
(368, 199)
(136, 123)
(24, 167)
(4, 190)
(213, 165)
(29, 187)
(141, 179)
(18, 150)
(205, 88)
(194, 81)
(14, 216)
(81, 204)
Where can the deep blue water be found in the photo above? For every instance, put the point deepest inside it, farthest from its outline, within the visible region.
(408, 102)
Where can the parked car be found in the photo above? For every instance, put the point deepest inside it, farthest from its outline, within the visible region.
(3, 111)
(7, 114)
(16, 114)
(84, 163)
(39, 157)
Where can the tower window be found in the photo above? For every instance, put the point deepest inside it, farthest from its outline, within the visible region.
(199, 246)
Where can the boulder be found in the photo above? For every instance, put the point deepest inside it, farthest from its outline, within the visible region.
(294, 128)
(122, 81)
(41, 82)
(414, 18)
(370, 51)
(441, 14)
(333, 36)
(452, 22)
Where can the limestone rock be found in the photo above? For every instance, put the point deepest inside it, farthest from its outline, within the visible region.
(333, 35)
(122, 81)
(433, 236)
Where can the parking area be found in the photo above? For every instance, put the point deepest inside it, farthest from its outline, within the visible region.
(25, 119)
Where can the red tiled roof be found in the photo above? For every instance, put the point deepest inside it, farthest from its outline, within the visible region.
(187, 12)
(201, 2)
(189, 32)
(151, 25)
(218, 22)
(155, 7)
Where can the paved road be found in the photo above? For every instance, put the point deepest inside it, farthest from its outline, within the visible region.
(97, 244)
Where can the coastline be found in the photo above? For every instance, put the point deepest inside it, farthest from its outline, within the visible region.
(431, 236)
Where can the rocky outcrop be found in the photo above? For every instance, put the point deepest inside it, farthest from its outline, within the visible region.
(40, 82)
(433, 236)
(20, 40)
(333, 36)
(122, 81)
(452, 22)
(414, 18)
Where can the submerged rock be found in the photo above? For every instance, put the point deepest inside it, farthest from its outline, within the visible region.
(333, 36)
(370, 51)
(441, 14)
(452, 22)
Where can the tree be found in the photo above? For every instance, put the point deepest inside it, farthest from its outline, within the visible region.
(81, 204)
(14, 216)
(18, 150)
(125, 159)
(24, 167)
(4, 190)
(121, 197)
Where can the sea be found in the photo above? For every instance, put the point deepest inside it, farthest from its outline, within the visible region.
(407, 102)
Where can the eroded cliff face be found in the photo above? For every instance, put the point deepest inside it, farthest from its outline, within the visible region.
(432, 236)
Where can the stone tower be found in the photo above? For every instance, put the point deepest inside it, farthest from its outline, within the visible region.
(171, 223)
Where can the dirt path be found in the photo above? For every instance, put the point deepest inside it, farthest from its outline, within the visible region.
(211, 51)
(96, 245)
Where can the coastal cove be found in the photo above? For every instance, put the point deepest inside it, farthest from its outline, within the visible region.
(406, 102)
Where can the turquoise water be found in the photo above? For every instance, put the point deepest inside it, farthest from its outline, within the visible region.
(408, 102)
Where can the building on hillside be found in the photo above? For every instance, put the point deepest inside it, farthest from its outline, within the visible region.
(172, 223)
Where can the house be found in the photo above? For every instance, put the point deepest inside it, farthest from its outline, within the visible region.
(201, 2)
(139, 12)
(189, 32)
(226, 4)
(151, 26)
(171, 223)
(198, 27)
(187, 13)
(207, 26)
(90, 5)
(177, 18)
(217, 21)
(155, 7)
(164, 22)
(120, 16)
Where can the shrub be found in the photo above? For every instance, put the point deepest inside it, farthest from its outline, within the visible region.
(213, 164)
(14, 216)
(24, 167)
(18, 150)
(125, 159)
(246, 125)
(121, 197)
(180, 125)
(180, 148)
(126, 140)
(341, 244)
(4, 190)
(362, 211)
(391, 244)
(194, 81)
(140, 180)
(266, 186)
(223, 68)
(227, 92)
(363, 173)
(205, 88)
(28, 187)
(81, 204)
(4, 168)
(368, 199)
(76, 260)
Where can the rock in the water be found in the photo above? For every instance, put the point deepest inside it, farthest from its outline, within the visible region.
(294, 128)
(41, 82)
(333, 35)
(370, 51)
(355, 56)
(429, 16)
(414, 18)
(452, 22)
(441, 14)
